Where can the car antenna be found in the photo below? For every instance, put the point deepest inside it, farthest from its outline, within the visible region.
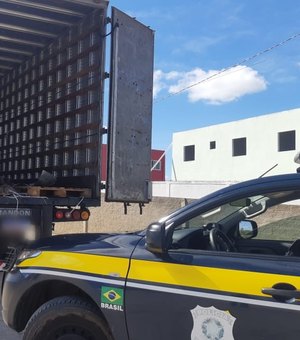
(274, 166)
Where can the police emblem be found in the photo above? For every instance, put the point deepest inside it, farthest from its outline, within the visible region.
(212, 324)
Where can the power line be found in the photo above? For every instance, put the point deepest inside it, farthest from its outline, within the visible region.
(243, 61)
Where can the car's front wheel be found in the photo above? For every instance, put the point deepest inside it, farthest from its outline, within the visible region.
(66, 318)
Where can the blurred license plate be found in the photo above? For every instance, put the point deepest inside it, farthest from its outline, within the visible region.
(15, 221)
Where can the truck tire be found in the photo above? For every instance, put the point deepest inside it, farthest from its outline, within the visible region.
(66, 318)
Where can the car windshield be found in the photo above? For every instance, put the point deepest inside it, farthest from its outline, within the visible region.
(246, 207)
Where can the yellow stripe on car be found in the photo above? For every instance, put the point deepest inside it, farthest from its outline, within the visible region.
(217, 279)
(79, 262)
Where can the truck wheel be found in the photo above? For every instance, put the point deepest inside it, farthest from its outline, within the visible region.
(66, 318)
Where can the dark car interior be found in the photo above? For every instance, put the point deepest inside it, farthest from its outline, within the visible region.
(232, 228)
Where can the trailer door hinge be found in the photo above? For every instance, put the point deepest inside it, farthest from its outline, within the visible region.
(107, 20)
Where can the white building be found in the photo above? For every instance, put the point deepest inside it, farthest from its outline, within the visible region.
(238, 150)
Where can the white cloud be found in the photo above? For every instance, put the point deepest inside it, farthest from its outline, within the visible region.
(228, 86)
(158, 83)
(162, 80)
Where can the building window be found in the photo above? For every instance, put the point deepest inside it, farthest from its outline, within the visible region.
(287, 140)
(157, 166)
(212, 145)
(239, 147)
(189, 153)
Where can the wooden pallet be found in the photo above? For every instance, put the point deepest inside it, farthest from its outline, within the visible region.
(56, 191)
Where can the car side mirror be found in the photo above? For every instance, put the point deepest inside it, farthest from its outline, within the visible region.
(155, 238)
(247, 229)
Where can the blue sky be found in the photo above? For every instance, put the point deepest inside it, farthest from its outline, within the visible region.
(195, 39)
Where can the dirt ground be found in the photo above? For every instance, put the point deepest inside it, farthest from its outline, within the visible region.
(110, 217)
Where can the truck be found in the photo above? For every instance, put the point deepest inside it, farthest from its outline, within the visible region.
(52, 118)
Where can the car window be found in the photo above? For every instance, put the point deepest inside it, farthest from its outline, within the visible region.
(276, 217)
(211, 216)
(230, 211)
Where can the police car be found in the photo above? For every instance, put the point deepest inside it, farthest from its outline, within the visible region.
(225, 267)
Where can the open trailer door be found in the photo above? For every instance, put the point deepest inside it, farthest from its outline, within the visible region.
(130, 113)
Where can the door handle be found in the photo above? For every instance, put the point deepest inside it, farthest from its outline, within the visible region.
(290, 294)
(283, 292)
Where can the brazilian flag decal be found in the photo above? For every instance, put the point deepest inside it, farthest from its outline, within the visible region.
(114, 296)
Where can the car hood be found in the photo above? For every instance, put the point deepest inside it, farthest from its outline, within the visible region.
(102, 244)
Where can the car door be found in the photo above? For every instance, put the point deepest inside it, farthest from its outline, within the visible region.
(202, 294)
